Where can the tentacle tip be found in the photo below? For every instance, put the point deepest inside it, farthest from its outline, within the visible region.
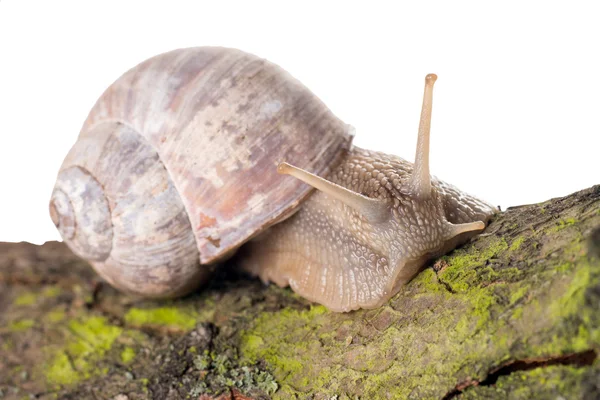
(475, 226)
(430, 79)
(283, 168)
(472, 226)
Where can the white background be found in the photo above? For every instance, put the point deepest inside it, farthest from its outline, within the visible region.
(516, 104)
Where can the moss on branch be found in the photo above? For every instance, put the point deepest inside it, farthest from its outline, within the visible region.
(513, 311)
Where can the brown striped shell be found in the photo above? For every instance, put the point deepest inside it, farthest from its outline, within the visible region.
(175, 166)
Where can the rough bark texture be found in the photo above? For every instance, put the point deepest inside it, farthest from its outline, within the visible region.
(514, 313)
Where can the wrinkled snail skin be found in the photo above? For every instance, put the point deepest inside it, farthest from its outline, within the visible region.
(179, 164)
(331, 254)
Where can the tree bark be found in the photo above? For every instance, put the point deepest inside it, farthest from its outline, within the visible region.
(512, 314)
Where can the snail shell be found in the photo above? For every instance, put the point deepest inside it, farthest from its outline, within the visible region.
(174, 168)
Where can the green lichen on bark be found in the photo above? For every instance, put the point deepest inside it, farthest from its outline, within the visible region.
(169, 317)
(552, 382)
(87, 341)
(525, 293)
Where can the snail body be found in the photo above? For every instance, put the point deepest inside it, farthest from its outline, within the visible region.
(177, 166)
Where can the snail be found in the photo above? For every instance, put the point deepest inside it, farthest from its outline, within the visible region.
(198, 152)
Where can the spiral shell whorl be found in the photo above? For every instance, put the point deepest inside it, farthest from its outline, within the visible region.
(115, 205)
(80, 211)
